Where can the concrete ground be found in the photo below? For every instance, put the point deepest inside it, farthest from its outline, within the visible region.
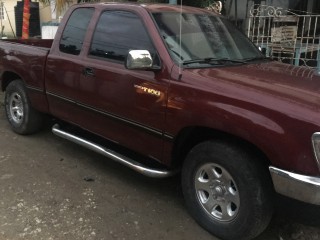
(54, 189)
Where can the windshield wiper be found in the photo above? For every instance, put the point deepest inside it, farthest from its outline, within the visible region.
(255, 59)
(216, 61)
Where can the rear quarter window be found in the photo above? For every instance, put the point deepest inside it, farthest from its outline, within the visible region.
(75, 31)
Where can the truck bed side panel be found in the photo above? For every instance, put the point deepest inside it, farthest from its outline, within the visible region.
(27, 62)
(46, 43)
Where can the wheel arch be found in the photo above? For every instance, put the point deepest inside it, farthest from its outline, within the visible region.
(225, 187)
(189, 137)
(7, 77)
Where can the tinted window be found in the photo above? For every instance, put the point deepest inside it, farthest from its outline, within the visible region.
(116, 33)
(74, 33)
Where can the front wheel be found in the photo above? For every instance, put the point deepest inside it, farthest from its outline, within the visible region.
(227, 190)
(20, 114)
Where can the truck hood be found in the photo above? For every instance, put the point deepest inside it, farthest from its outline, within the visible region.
(261, 82)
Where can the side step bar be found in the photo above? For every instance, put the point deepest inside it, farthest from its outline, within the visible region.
(136, 166)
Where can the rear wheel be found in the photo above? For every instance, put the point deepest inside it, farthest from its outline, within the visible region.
(227, 190)
(20, 114)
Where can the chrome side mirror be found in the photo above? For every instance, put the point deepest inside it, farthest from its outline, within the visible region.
(139, 60)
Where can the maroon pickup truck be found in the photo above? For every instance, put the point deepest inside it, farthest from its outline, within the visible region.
(177, 89)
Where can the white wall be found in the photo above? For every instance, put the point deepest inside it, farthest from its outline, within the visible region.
(9, 17)
(44, 12)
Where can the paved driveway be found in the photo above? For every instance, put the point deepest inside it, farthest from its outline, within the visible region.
(44, 195)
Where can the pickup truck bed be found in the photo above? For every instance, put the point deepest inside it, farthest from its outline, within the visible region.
(18, 53)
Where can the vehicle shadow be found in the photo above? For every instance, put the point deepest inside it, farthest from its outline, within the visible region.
(293, 220)
(298, 211)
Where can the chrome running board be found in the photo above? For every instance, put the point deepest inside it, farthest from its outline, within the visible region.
(136, 166)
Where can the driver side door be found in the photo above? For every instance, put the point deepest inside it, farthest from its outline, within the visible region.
(125, 106)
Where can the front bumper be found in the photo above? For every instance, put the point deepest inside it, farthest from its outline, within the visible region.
(297, 186)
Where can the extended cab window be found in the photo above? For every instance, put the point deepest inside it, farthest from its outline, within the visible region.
(116, 33)
(75, 31)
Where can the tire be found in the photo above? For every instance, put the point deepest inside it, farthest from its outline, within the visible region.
(20, 114)
(227, 191)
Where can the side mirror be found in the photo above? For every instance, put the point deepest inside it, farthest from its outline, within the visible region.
(139, 60)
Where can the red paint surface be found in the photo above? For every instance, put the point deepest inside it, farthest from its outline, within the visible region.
(271, 105)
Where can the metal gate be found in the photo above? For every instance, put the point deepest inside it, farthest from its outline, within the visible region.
(285, 35)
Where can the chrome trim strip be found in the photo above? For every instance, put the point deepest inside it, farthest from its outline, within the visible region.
(118, 118)
(168, 136)
(136, 166)
(63, 98)
(300, 187)
(132, 123)
(35, 88)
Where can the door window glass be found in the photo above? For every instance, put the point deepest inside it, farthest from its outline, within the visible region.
(116, 33)
(75, 31)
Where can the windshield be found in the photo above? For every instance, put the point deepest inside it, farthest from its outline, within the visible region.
(204, 37)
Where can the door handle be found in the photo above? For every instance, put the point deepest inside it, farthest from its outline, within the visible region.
(88, 72)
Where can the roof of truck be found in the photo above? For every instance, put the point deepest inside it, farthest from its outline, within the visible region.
(154, 7)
